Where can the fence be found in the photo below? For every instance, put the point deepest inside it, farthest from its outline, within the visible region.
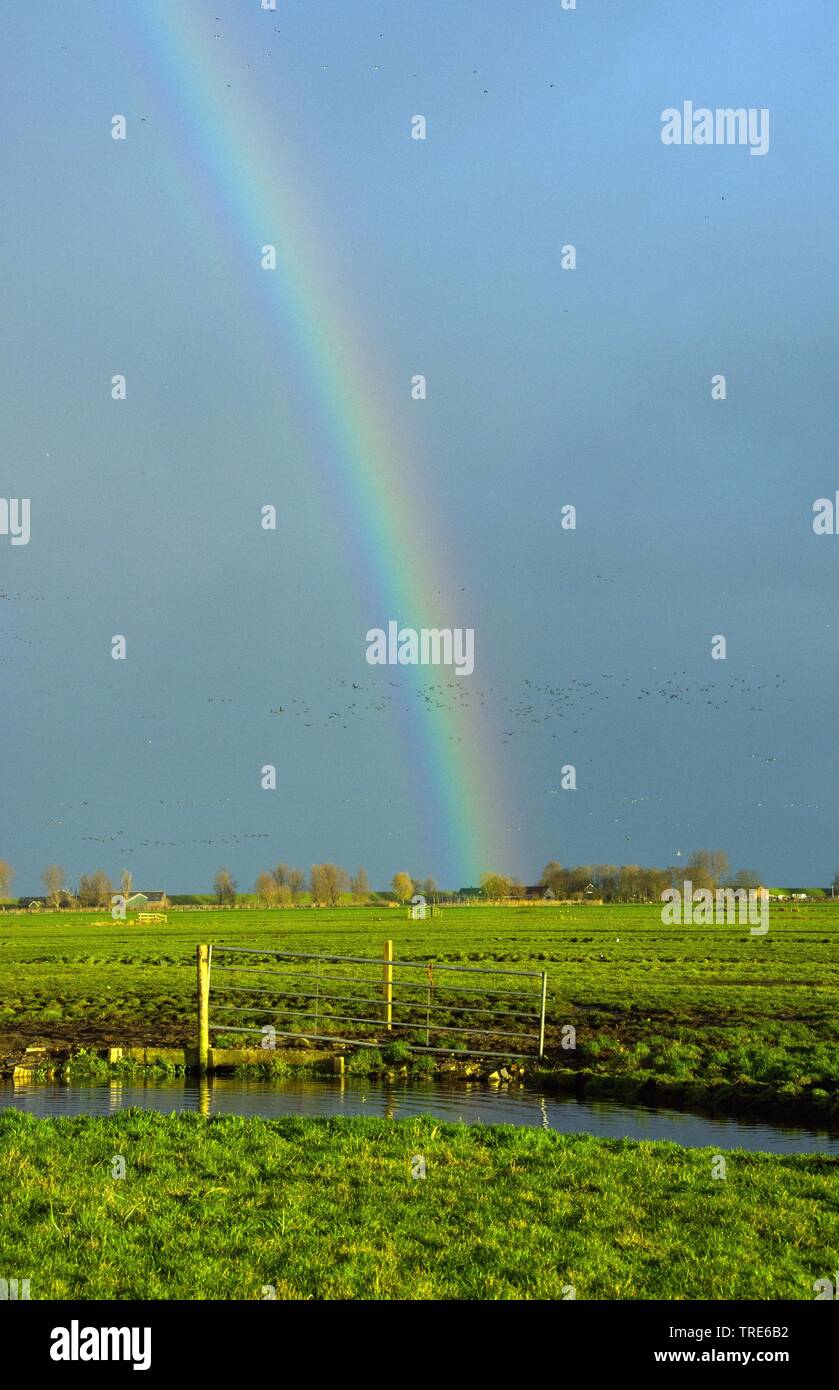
(258, 993)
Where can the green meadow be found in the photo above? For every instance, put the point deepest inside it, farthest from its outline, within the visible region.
(227, 1208)
(709, 1007)
(328, 1209)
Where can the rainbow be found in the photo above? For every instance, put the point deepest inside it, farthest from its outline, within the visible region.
(252, 180)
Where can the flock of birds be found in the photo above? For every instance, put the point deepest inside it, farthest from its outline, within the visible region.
(324, 67)
(523, 714)
(537, 706)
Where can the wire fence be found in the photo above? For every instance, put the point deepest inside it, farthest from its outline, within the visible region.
(369, 1001)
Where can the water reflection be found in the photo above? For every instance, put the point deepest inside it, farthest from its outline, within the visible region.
(471, 1104)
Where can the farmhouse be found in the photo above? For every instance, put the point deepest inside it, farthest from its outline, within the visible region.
(154, 899)
(530, 892)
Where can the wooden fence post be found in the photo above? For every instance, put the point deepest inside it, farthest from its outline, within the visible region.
(202, 956)
(542, 1001)
(388, 984)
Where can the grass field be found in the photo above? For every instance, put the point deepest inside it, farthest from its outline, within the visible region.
(713, 1006)
(224, 1208)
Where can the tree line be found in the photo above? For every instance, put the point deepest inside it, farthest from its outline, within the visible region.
(326, 885)
(282, 886)
(705, 868)
(93, 890)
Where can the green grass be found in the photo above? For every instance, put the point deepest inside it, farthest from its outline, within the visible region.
(218, 1208)
(712, 1006)
(327, 1209)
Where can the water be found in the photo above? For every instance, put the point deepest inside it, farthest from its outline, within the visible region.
(470, 1103)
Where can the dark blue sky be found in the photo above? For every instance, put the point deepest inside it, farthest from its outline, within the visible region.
(546, 387)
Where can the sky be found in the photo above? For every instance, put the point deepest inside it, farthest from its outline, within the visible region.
(546, 387)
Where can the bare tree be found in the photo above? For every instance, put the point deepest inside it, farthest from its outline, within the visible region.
(360, 886)
(85, 892)
(317, 879)
(103, 888)
(267, 890)
(126, 883)
(53, 879)
(225, 887)
(7, 873)
(296, 883)
(708, 867)
(336, 883)
(328, 883)
(554, 878)
(605, 878)
(746, 878)
(654, 882)
(95, 889)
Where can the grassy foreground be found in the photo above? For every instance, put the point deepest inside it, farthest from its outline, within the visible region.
(327, 1208)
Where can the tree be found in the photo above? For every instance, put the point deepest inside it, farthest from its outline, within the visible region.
(708, 867)
(53, 880)
(555, 878)
(94, 889)
(225, 887)
(746, 878)
(126, 883)
(296, 883)
(336, 883)
(630, 882)
(7, 873)
(280, 875)
(606, 878)
(266, 890)
(317, 879)
(360, 886)
(654, 882)
(495, 885)
(328, 883)
(429, 890)
(85, 893)
(103, 888)
(403, 886)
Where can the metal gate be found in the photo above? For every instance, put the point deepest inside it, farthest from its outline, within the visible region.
(369, 1001)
